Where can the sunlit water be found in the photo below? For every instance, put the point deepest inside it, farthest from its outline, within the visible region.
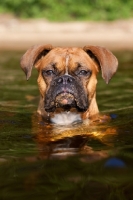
(42, 161)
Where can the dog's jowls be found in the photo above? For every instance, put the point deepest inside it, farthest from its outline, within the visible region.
(67, 79)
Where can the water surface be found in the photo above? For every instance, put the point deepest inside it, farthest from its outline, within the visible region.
(42, 161)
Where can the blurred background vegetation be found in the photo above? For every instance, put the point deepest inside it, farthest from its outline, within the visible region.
(69, 10)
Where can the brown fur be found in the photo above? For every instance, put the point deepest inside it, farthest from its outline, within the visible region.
(93, 58)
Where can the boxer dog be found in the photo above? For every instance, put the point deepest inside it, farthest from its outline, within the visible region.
(67, 79)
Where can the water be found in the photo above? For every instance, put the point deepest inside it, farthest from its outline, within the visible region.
(41, 161)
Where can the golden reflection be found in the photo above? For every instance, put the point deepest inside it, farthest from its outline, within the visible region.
(56, 141)
(44, 131)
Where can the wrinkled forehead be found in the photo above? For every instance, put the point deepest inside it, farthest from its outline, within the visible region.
(72, 53)
(69, 56)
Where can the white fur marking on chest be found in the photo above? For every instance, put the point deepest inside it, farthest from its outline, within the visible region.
(66, 118)
(67, 60)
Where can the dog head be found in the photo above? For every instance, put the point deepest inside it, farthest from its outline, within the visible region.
(67, 76)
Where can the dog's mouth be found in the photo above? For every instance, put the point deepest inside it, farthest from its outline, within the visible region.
(66, 101)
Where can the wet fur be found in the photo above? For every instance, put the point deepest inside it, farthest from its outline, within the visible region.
(69, 62)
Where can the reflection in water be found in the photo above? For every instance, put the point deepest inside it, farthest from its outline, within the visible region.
(80, 161)
(43, 161)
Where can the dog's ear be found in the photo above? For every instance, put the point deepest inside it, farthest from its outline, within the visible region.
(32, 55)
(106, 60)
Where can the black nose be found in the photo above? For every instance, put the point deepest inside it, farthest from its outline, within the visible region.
(65, 79)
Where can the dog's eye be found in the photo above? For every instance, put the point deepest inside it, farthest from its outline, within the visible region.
(84, 73)
(48, 72)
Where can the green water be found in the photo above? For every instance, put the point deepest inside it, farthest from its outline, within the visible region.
(41, 161)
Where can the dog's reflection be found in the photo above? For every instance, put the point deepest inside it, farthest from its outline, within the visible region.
(59, 142)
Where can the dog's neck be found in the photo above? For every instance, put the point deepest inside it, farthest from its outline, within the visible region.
(66, 118)
(92, 110)
(70, 117)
